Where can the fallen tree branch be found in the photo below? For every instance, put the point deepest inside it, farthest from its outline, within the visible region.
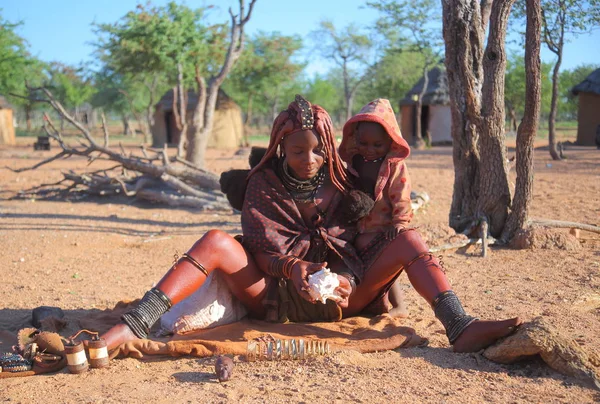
(564, 225)
(458, 244)
(154, 178)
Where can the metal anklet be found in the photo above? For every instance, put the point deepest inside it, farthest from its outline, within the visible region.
(153, 305)
(449, 311)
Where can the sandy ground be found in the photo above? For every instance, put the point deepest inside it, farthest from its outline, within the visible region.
(91, 254)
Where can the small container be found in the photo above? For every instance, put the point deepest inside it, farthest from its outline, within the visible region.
(76, 359)
(98, 352)
(284, 349)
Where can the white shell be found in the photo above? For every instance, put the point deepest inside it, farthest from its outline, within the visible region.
(322, 285)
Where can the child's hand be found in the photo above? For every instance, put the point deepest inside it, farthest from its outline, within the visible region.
(393, 232)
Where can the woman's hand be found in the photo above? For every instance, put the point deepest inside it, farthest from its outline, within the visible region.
(300, 272)
(344, 291)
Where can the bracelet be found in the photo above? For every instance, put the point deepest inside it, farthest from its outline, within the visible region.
(281, 266)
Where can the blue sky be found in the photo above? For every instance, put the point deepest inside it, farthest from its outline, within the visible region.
(60, 30)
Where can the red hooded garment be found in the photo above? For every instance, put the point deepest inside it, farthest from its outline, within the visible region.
(392, 189)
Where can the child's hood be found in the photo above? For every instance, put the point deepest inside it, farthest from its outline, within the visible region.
(381, 112)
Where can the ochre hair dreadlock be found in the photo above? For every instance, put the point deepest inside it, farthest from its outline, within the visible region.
(293, 120)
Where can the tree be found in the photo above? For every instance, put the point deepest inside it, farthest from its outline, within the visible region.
(410, 25)
(323, 91)
(72, 85)
(17, 68)
(393, 76)
(264, 69)
(348, 49)
(119, 94)
(562, 19)
(481, 196)
(13, 57)
(175, 40)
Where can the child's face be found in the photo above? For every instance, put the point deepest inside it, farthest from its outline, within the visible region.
(372, 140)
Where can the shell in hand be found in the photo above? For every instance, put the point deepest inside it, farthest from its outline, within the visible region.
(322, 285)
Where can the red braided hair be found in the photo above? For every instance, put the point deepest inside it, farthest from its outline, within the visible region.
(290, 121)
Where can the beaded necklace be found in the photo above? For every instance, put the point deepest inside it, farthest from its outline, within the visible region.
(301, 190)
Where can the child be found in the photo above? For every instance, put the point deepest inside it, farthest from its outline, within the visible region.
(375, 151)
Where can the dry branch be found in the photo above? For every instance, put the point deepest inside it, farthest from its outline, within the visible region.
(172, 182)
(564, 225)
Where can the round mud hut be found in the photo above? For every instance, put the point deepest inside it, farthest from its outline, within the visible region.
(228, 128)
(436, 118)
(7, 129)
(588, 115)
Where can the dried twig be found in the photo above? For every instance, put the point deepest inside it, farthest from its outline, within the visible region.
(564, 225)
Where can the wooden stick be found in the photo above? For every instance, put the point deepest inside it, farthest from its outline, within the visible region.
(564, 225)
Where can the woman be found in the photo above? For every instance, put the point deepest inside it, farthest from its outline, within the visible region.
(292, 227)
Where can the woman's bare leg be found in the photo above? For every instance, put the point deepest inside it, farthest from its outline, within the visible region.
(428, 279)
(215, 250)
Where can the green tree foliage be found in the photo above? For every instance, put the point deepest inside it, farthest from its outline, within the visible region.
(19, 69)
(14, 57)
(265, 69)
(349, 49)
(414, 26)
(328, 93)
(393, 76)
(72, 86)
(562, 20)
(514, 89)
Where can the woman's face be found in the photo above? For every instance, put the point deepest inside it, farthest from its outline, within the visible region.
(304, 153)
(372, 140)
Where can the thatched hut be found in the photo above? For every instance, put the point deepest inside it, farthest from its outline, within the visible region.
(7, 129)
(227, 132)
(436, 118)
(588, 115)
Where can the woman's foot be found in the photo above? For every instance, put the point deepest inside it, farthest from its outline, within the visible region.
(118, 335)
(481, 334)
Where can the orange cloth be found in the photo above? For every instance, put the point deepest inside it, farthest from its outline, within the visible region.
(360, 334)
(392, 190)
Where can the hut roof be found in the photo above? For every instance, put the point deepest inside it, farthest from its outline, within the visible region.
(166, 102)
(591, 84)
(437, 89)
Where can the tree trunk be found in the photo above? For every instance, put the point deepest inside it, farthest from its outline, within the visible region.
(207, 97)
(476, 85)
(518, 217)
(249, 109)
(419, 142)
(196, 151)
(28, 117)
(181, 117)
(275, 108)
(348, 96)
(553, 107)
(463, 38)
(150, 110)
(494, 192)
(126, 125)
(513, 118)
